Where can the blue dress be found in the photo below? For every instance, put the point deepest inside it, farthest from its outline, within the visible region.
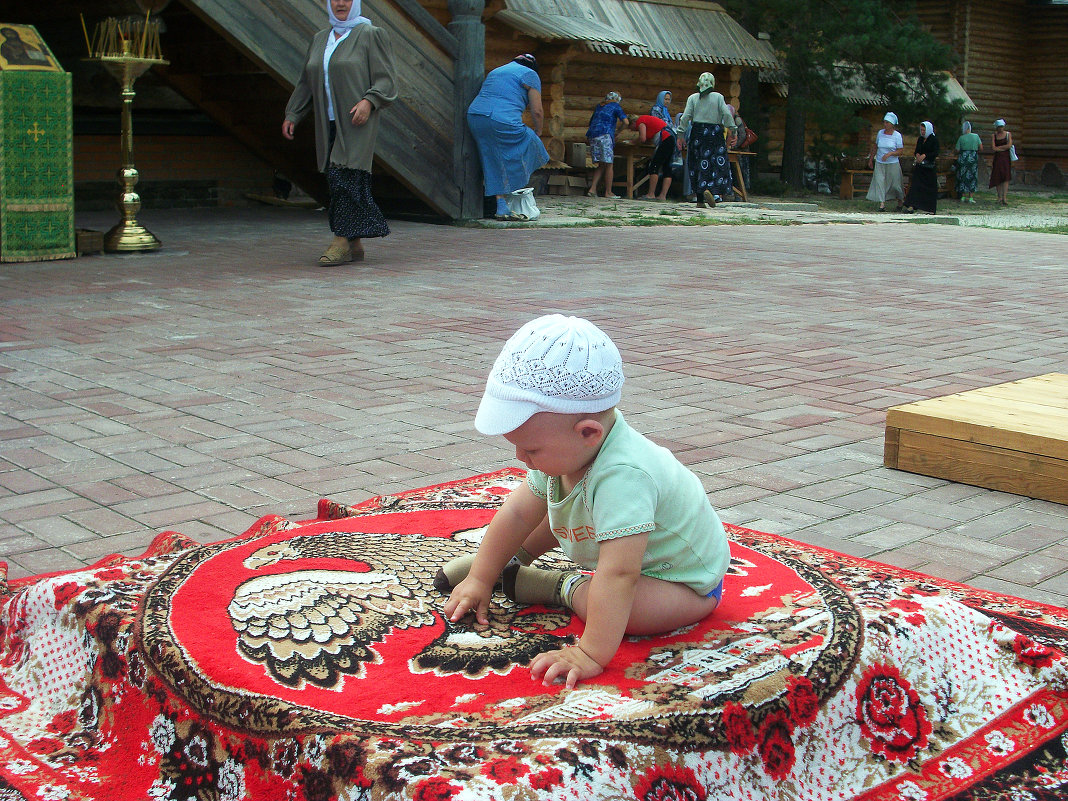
(509, 150)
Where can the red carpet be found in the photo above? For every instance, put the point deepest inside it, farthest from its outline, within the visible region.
(311, 661)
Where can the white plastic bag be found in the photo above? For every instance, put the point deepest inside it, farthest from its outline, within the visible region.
(1012, 153)
(521, 203)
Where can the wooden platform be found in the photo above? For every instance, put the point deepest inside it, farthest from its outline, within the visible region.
(1011, 437)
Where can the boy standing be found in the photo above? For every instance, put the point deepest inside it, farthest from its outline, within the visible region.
(601, 137)
(612, 500)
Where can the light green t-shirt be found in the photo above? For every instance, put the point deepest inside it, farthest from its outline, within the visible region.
(969, 141)
(634, 486)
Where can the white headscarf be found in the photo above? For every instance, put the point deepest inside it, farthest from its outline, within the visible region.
(928, 129)
(343, 26)
(890, 117)
(999, 123)
(965, 127)
(706, 83)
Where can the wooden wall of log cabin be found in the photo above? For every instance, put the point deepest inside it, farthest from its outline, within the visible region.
(773, 139)
(943, 18)
(1045, 112)
(590, 76)
(990, 39)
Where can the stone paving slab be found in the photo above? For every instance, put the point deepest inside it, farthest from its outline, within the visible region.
(227, 376)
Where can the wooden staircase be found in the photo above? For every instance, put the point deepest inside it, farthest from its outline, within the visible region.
(238, 61)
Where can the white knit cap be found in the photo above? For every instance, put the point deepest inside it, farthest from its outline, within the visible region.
(552, 364)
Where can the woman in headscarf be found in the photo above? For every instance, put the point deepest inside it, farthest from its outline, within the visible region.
(883, 159)
(660, 109)
(347, 79)
(1001, 170)
(967, 147)
(923, 189)
(708, 119)
(508, 149)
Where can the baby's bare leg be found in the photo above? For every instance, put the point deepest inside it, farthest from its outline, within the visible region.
(659, 606)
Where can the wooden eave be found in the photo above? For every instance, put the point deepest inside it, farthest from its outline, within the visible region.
(674, 30)
(557, 26)
(853, 92)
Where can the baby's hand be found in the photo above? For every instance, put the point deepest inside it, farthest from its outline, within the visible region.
(568, 664)
(470, 595)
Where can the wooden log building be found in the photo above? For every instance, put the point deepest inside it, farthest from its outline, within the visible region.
(209, 122)
(1013, 63)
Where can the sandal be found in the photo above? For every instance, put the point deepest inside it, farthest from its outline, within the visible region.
(510, 217)
(337, 254)
(710, 199)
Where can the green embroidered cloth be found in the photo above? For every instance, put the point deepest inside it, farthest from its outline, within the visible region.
(36, 173)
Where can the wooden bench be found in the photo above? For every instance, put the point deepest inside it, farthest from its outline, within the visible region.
(1011, 437)
(947, 184)
(846, 190)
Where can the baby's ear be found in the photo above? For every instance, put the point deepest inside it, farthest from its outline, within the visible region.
(590, 429)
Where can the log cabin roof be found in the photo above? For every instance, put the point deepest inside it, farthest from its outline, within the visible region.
(853, 92)
(558, 26)
(675, 30)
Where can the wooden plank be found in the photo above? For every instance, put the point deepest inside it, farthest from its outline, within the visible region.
(1037, 399)
(1028, 415)
(913, 445)
(1057, 382)
(992, 468)
(1008, 412)
(891, 447)
(990, 432)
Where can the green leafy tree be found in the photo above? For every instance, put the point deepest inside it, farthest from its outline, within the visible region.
(825, 46)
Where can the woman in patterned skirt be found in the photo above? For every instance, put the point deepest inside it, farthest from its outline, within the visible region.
(347, 80)
(967, 147)
(708, 120)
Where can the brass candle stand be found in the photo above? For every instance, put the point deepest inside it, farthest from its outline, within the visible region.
(126, 50)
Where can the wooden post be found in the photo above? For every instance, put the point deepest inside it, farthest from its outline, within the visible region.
(469, 72)
(552, 69)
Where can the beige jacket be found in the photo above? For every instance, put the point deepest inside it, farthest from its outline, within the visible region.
(710, 109)
(361, 67)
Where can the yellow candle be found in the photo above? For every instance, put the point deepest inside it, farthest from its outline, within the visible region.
(85, 30)
(144, 33)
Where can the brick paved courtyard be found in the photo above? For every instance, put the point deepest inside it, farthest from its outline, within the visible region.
(227, 377)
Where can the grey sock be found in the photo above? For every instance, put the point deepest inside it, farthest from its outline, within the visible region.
(455, 570)
(528, 585)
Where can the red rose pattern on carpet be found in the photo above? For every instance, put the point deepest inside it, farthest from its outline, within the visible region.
(311, 661)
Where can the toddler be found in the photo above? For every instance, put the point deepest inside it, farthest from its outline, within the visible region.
(613, 501)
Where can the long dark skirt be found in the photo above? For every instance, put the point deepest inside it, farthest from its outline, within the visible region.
(707, 161)
(353, 212)
(923, 193)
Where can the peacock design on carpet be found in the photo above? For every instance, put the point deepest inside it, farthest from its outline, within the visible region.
(314, 625)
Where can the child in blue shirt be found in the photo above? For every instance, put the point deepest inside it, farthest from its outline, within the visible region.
(613, 501)
(601, 137)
